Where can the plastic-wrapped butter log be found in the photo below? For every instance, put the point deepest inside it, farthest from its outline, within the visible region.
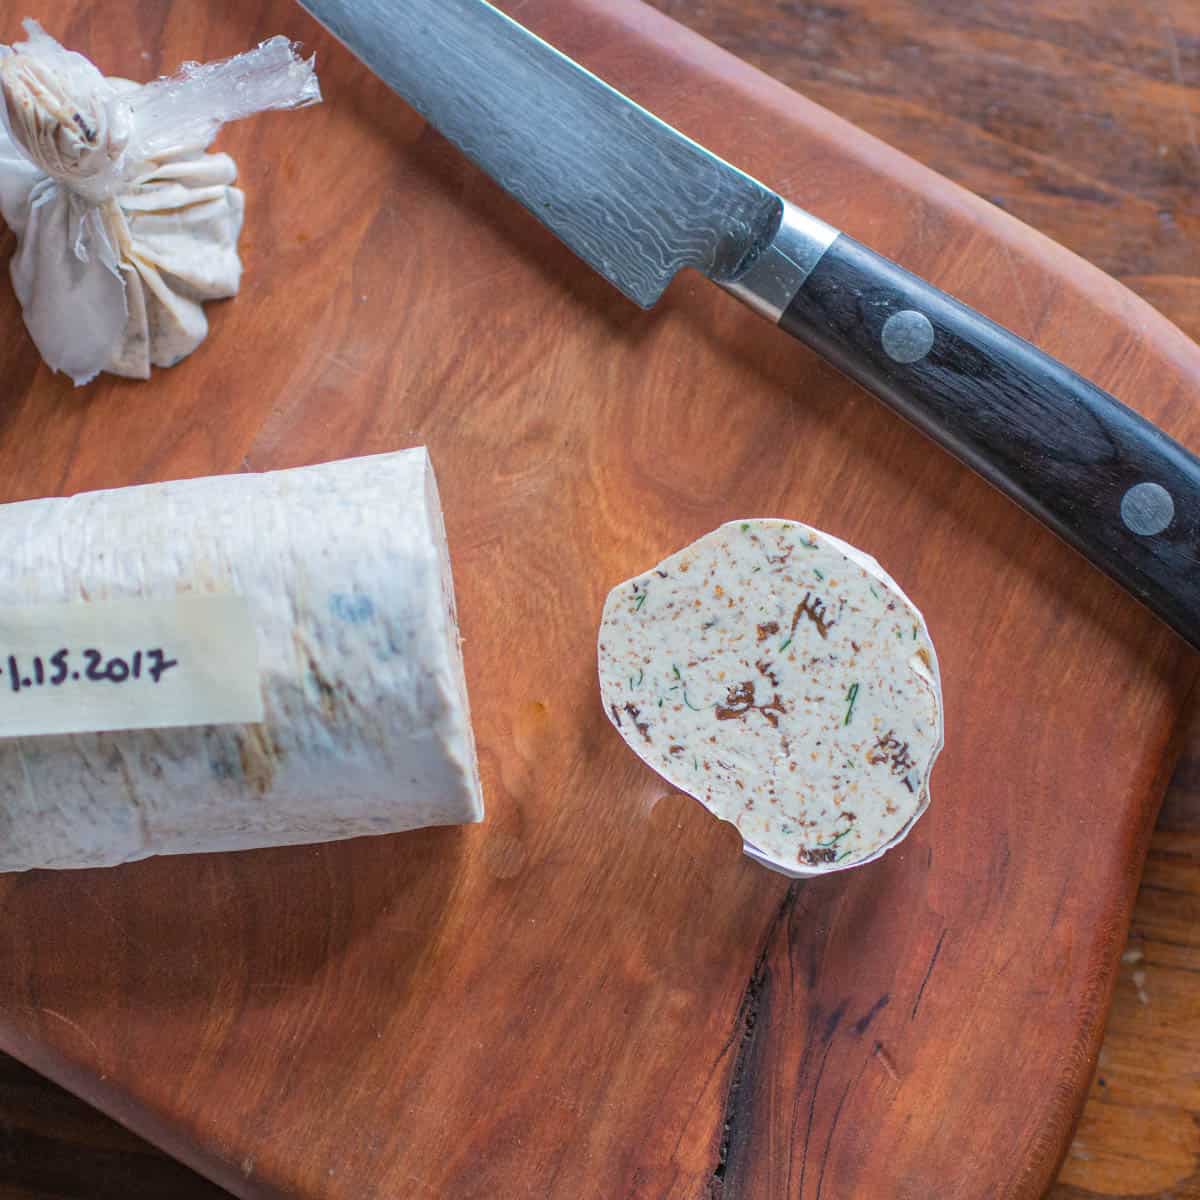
(781, 677)
(345, 573)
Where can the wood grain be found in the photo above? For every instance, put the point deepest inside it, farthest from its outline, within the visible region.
(653, 1025)
(1139, 1134)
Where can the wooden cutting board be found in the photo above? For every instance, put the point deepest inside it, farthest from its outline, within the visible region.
(593, 994)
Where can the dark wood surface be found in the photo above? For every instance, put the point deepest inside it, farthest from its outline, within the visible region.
(1076, 117)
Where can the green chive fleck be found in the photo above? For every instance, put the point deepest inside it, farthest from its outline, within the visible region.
(640, 601)
(676, 670)
(638, 682)
(688, 702)
(745, 526)
(785, 645)
(818, 573)
(915, 633)
(837, 837)
(844, 854)
(874, 592)
(851, 697)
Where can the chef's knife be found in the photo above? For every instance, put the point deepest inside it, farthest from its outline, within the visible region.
(639, 201)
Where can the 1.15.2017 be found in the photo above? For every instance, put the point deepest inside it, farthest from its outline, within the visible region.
(61, 667)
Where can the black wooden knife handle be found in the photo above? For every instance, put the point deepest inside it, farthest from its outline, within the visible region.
(1102, 477)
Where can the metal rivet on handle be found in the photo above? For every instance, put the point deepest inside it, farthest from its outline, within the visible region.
(1147, 508)
(907, 336)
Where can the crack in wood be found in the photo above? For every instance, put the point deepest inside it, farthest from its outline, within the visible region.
(928, 971)
(751, 1011)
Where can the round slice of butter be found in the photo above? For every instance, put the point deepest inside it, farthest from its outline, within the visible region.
(783, 679)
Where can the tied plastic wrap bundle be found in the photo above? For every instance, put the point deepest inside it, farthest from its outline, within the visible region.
(124, 224)
(365, 727)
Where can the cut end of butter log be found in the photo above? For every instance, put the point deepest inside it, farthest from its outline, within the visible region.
(339, 710)
(782, 678)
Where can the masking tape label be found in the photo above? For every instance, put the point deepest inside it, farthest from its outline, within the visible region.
(128, 664)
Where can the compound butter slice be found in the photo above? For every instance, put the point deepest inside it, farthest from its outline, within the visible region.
(783, 679)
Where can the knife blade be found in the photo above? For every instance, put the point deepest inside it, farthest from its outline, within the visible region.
(639, 201)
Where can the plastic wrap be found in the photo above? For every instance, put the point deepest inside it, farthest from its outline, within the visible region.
(125, 224)
(366, 729)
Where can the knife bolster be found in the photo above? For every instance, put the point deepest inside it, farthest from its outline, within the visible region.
(778, 273)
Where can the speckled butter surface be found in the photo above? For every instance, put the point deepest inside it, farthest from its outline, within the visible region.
(782, 678)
